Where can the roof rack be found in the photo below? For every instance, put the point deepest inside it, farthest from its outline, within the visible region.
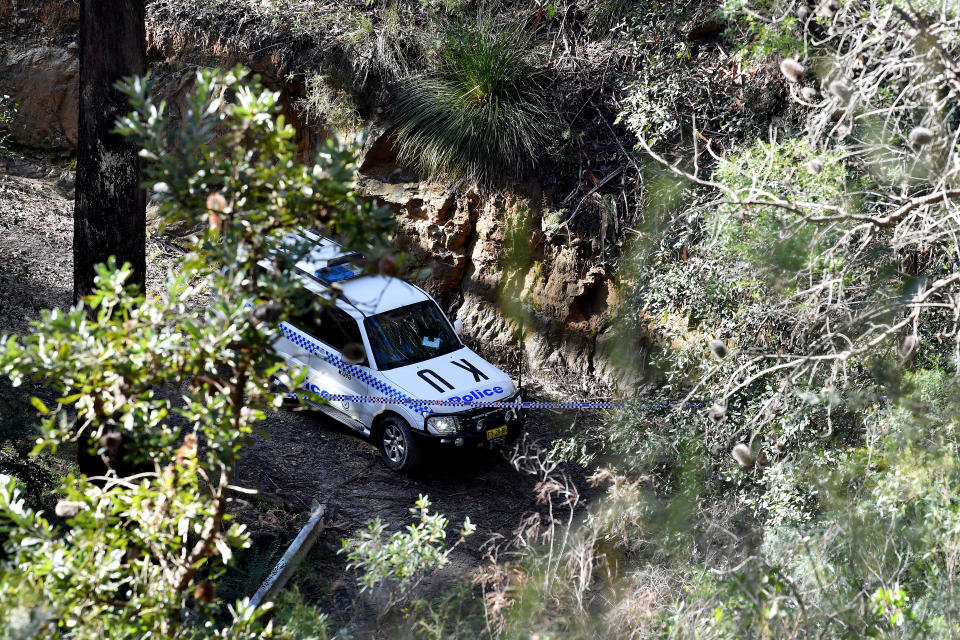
(347, 257)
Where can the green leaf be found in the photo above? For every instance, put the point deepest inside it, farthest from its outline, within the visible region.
(38, 405)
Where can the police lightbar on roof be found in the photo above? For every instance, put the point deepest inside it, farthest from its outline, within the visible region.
(338, 273)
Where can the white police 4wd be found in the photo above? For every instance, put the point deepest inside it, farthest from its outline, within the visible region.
(382, 337)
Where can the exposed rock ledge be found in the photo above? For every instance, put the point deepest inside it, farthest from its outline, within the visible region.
(551, 283)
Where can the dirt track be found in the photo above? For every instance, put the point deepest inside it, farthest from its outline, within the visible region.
(303, 456)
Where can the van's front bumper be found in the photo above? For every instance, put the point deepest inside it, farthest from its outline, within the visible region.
(481, 428)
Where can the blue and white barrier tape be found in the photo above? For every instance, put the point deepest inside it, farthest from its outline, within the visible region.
(397, 397)
(507, 404)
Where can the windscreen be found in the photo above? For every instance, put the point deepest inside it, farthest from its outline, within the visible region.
(409, 335)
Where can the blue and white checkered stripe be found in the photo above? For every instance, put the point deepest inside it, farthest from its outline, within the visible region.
(391, 395)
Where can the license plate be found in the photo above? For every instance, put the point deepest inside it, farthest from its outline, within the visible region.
(499, 432)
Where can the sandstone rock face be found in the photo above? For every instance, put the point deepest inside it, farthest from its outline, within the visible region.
(58, 14)
(492, 260)
(44, 81)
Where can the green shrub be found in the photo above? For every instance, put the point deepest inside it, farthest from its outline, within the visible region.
(403, 558)
(328, 102)
(18, 433)
(484, 114)
(297, 620)
(7, 110)
(128, 557)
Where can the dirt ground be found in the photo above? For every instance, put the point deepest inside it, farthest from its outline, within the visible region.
(298, 457)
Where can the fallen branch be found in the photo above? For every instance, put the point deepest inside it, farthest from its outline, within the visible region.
(295, 553)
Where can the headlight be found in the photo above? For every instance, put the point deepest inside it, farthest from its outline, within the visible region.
(443, 425)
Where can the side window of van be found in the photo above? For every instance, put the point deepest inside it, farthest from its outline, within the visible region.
(337, 328)
(330, 325)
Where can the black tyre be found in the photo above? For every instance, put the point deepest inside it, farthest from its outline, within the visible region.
(400, 450)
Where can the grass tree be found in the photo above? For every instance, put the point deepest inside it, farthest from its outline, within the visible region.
(484, 114)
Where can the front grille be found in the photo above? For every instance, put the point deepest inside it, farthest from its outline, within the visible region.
(482, 419)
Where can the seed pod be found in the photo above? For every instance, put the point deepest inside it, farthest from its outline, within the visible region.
(815, 165)
(717, 412)
(111, 441)
(809, 94)
(803, 13)
(718, 348)
(216, 205)
(920, 136)
(792, 69)
(841, 89)
(205, 592)
(909, 346)
(743, 455)
(353, 353)
(68, 508)
(387, 266)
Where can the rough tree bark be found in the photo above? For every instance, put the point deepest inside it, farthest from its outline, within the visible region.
(110, 212)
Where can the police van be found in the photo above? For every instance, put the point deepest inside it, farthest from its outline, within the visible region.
(386, 340)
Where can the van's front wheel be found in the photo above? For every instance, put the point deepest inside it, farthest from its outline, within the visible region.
(400, 451)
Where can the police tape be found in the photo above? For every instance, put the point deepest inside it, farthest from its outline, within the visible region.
(508, 404)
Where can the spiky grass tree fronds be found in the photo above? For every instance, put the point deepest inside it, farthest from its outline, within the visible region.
(484, 114)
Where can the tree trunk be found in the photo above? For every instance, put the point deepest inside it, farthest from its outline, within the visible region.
(109, 216)
(110, 212)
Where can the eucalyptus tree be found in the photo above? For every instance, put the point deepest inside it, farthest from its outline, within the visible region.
(110, 210)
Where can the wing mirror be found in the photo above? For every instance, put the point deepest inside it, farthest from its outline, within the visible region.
(354, 353)
(458, 326)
